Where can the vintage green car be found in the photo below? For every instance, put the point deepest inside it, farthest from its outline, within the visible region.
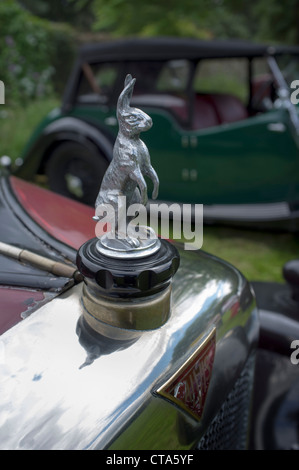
(226, 130)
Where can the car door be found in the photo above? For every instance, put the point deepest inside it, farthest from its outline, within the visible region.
(161, 90)
(250, 161)
(232, 157)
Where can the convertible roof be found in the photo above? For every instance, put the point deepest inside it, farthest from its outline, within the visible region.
(164, 48)
(171, 48)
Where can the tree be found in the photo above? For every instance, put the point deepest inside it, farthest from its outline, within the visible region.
(269, 20)
(262, 20)
(193, 18)
(278, 21)
(76, 12)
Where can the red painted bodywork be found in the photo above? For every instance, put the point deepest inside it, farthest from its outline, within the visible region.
(66, 220)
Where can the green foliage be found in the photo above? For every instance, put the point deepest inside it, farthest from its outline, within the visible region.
(268, 20)
(28, 52)
(157, 17)
(17, 123)
(62, 49)
(24, 61)
(75, 12)
(278, 20)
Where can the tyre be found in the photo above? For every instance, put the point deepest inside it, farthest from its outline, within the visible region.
(76, 171)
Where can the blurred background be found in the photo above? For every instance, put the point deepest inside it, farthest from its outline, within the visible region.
(39, 41)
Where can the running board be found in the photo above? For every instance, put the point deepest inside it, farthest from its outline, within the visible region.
(270, 215)
(248, 212)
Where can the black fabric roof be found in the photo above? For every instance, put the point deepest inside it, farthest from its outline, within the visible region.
(164, 48)
(171, 48)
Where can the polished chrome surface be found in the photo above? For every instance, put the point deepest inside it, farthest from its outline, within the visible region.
(125, 179)
(63, 389)
(125, 318)
(5, 162)
(116, 248)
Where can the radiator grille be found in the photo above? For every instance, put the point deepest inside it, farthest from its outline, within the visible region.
(229, 429)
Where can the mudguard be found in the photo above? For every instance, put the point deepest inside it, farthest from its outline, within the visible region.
(58, 131)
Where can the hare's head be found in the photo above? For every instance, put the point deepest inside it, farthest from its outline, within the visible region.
(132, 121)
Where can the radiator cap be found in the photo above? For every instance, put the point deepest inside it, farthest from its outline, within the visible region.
(127, 272)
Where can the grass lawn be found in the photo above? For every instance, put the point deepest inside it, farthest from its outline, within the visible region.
(258, 255)
(18, 123)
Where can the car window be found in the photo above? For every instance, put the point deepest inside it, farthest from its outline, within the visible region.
(97, 82)
(260, 66)
(261, 85)
(158, 83)
(159, 76)
(174, 76)
(289, 66)
(229, 76)
(161, 84)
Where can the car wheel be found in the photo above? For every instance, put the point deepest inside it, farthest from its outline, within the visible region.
(76, 171)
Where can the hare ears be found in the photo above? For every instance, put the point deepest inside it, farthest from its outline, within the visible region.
(129, 80)
(126, 94)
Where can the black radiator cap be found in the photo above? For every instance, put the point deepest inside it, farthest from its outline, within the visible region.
(127, 278)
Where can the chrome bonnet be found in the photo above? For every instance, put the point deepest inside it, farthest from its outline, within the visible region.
(64, 387)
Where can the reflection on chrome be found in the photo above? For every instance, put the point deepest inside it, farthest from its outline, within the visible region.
(56, 395)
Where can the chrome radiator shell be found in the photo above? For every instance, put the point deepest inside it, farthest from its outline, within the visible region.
(60, 392)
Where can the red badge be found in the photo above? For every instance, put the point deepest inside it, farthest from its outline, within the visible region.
(188, 387)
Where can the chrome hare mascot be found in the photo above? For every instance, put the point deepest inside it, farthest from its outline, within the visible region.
(131, 160)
